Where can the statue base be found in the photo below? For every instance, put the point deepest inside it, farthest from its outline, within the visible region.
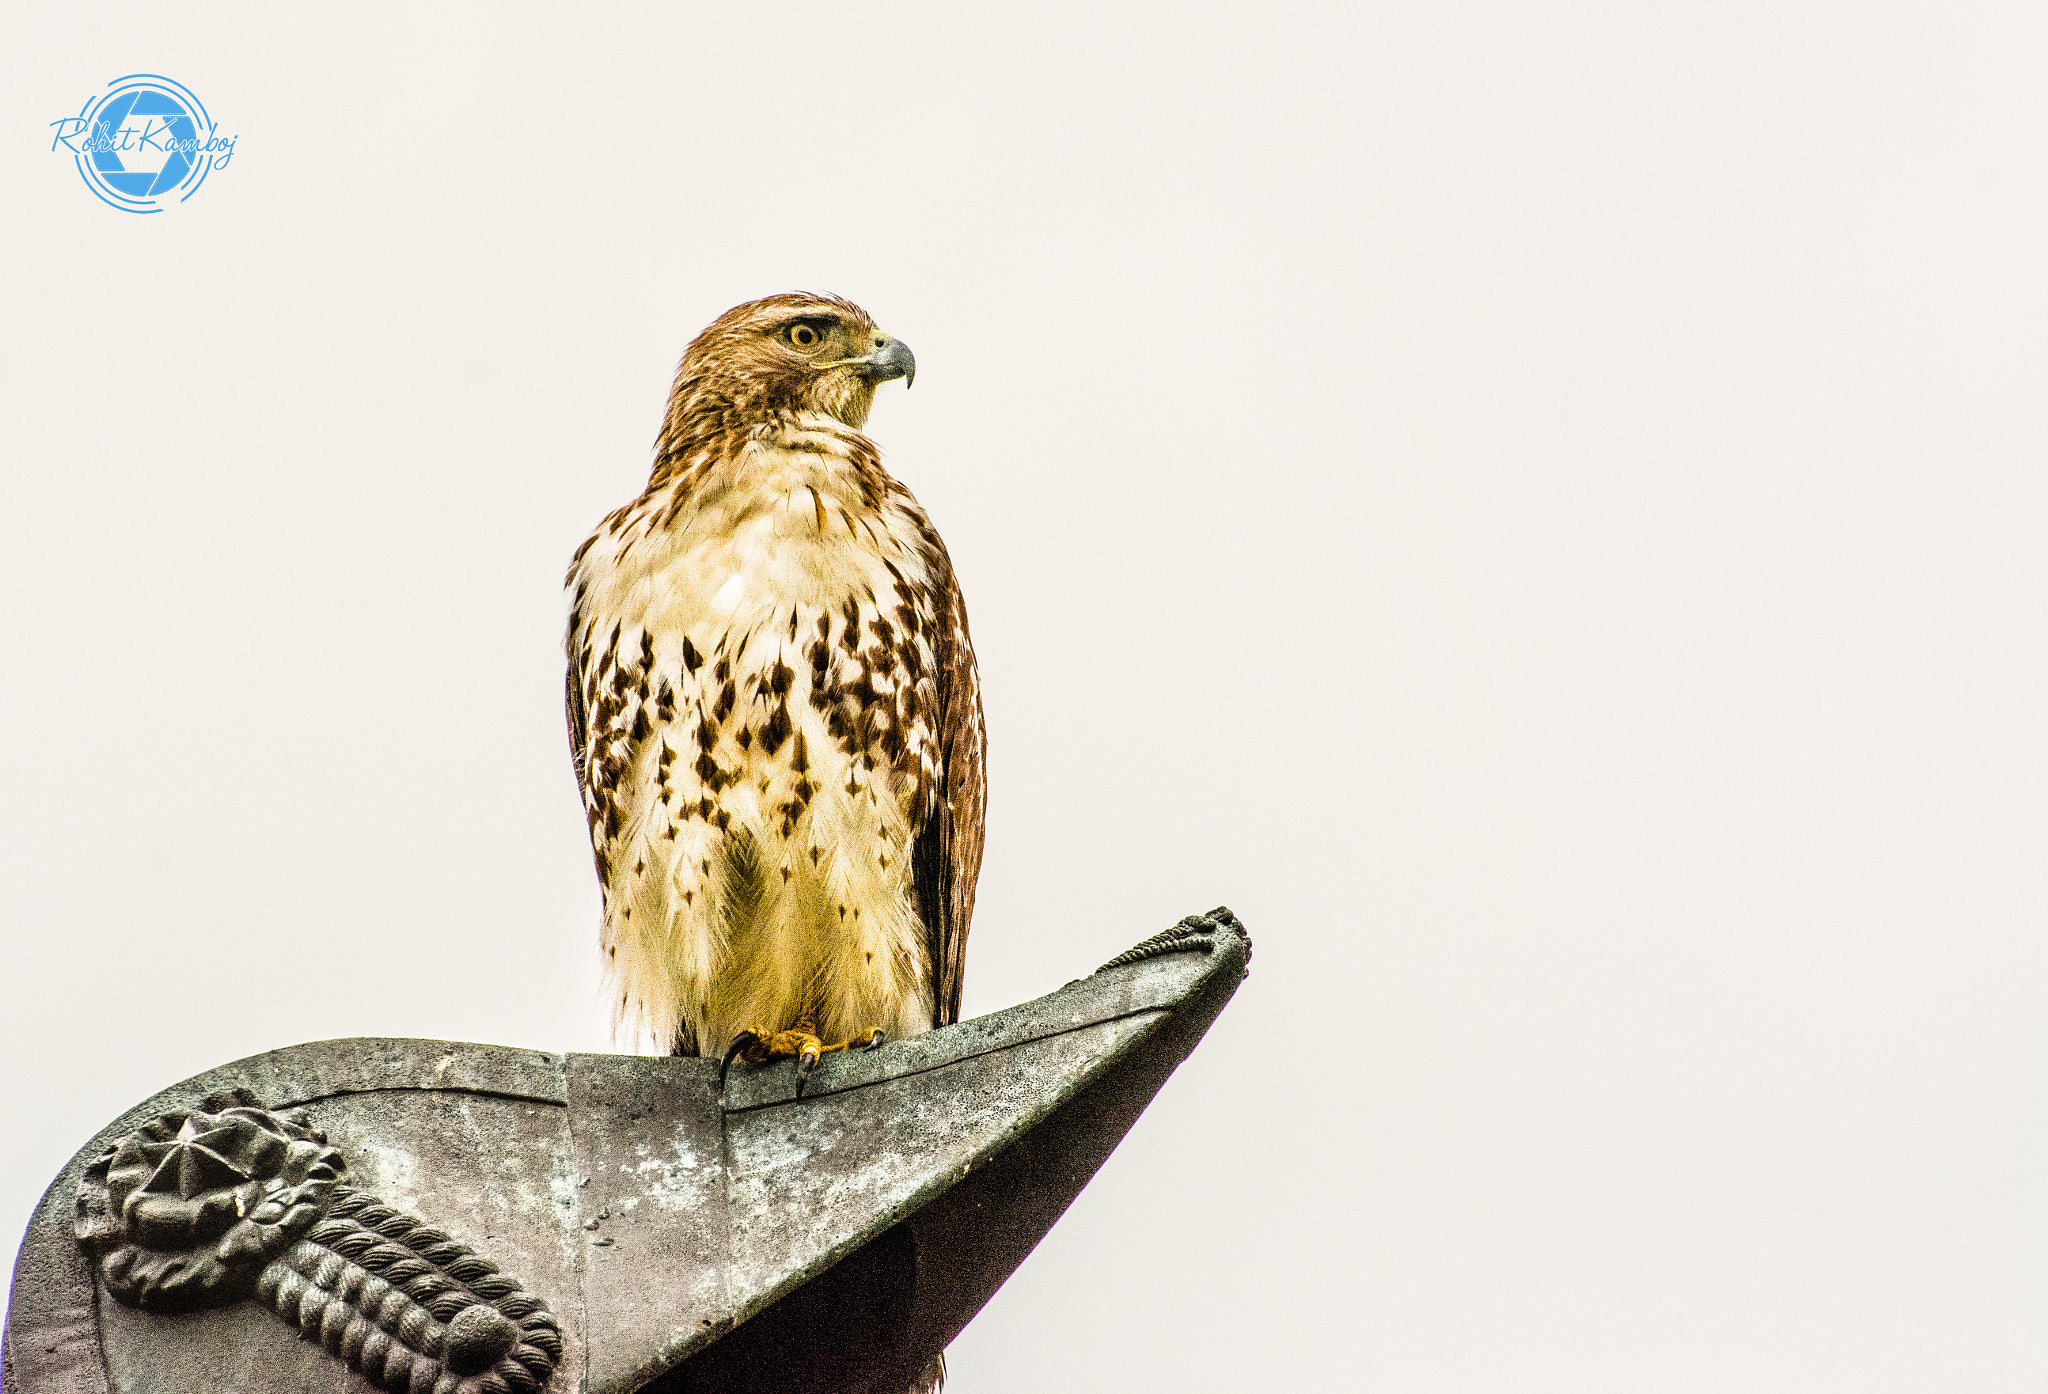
(471, 1219)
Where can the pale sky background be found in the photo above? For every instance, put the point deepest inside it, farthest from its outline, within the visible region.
(1540, 508)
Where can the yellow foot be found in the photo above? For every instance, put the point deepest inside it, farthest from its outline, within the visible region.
(756, 1044)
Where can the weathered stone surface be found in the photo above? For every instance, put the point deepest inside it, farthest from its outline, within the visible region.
(813, 1177)
(686, 1240)
(648, 1136)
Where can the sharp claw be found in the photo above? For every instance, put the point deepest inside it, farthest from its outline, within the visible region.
(740, 1044)
(805, 1063)
(875, 1039)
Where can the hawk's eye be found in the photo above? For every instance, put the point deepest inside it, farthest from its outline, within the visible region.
(803, 336)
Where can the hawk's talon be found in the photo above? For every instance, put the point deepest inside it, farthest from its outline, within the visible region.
(746, 1041)
(800, 1042)
(756, 1044)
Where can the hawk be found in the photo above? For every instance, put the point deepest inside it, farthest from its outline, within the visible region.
(774, 711)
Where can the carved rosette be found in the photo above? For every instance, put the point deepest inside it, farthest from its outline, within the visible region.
(205, 1206)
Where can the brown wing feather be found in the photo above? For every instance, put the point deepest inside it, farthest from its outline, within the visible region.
(574, 710)
(947, 853)
(576, 705)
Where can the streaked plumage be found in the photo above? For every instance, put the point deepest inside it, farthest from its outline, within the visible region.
(773, 704)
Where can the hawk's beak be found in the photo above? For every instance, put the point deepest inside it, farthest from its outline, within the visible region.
(892, 358)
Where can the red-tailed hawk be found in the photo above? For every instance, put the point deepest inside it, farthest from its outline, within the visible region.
(774, 710)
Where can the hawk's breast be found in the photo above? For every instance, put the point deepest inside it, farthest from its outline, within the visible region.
(753, 642)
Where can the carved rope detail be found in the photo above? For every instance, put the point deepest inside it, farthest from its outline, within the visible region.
(1191, 935)
(205, 1206)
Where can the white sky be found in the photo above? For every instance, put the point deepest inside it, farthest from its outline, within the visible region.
(1539, 508)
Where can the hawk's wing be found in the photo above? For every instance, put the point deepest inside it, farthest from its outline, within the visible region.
(576, 705)
(577, 726)
(946, 856)
(579, 736)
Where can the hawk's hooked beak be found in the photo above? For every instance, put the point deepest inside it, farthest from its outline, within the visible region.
(892, 358)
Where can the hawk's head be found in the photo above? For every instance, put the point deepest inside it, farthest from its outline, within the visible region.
(790, 353)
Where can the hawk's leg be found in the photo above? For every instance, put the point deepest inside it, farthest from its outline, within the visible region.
(756, 1044)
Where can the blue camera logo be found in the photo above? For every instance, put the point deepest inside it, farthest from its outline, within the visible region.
(144, 144)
